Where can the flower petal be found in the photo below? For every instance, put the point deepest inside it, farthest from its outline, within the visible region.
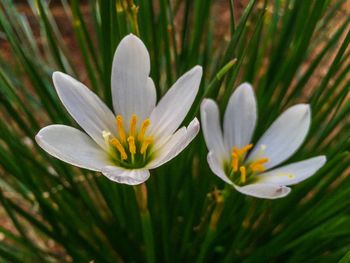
(293, 173)
(176, 144)
(240, 117)
(85, 107)
(284, 136)
(72, 146)
(217, 168)
(210, 118)
(174, 106)
(264, 190)
(133, 91)
(125, 176)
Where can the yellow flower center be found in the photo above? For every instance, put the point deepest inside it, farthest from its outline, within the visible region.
(131, 149)
(242, 172)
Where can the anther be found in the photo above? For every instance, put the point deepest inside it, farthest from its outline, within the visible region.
(242, 151)
(132, 146)
(262, 161)
(133, 122)
(258, 166)
(246, 148)
(243, 174)
(145, 145)
(120, 127)
(115, 142)
(143, 129)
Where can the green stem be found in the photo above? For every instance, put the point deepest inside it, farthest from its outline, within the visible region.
(147, 229)
(214, 219)
(213, 84)
(205, 245)
(148, 236)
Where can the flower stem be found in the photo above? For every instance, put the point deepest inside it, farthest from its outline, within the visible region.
(214, 219)
(132, 13)
(147, 229)
(209, 236)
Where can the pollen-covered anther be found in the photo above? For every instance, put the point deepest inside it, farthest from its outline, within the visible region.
(132, 146)
(145, 124)
(133, 122)
(120, 128)
(238, 156)
(116, 143)
(242, 151)
(145, 144)
(258, 166)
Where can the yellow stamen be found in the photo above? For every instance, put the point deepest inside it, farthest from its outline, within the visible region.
(262, 160)
(246, 148)
(120, 127)
(258, 166)
(133, 122)
(132, 146)
(243, 174)
(115, 142)
(238, 155)
(145, 145)
(235, 161)
(143, 129)
(242, 151)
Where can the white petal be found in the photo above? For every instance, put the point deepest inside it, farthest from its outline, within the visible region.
(176, 144)
(72, 146)
(210, 118)
(150, 101)
(133, 91)
(217, 168)
(240, 117)
(125, 176)
(284, 136)
(174, 106)
(262, 190)
(85, 107)
(293, 173)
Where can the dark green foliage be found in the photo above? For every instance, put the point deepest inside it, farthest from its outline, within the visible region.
(291, 51)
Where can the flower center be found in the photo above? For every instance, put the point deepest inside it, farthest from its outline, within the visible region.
(242, 173)
(132, 149)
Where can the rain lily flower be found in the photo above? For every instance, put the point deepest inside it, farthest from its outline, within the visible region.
(139, 135)
(251, 168)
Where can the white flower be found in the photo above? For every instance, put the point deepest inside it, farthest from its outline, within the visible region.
(139, 135)
(233, 158)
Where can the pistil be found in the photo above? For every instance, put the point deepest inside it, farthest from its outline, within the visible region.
(243, 174)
